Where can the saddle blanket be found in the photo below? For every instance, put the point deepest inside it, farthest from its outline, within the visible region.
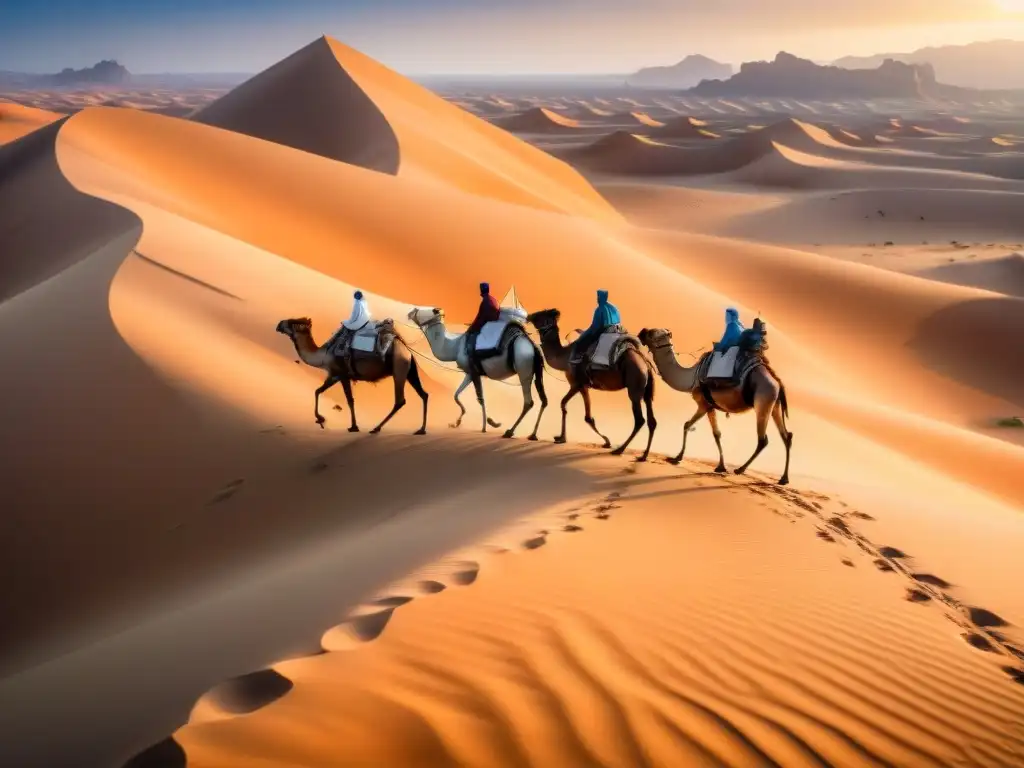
(723, 364)
(492, 334)
(610, 347)
(374, 338)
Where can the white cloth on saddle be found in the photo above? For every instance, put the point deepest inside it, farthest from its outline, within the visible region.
(513, 314)
(723, 364)
(490, 335)
(606, 345)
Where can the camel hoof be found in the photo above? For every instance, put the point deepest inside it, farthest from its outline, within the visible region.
(784, 480)
(493, 423)
(559, 440)
(422, 431)
(532, 438)
(455, 425)
(375, 431)
(353, 429)
(618, 452)
(720, 469)
(739, 471)
(508, 434)
(675, 461)
(641, 459)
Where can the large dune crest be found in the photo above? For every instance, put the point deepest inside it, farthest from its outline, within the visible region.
(331, 100)
(537, 120)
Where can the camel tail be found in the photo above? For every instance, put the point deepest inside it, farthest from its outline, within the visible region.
(783, 402)
(649, 386)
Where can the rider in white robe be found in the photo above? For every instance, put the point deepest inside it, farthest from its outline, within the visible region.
(360, 317)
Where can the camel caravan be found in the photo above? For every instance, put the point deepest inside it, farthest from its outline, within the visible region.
(733, 377)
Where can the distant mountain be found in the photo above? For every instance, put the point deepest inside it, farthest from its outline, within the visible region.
(685, 74)
(995, 64)
(104, 72)
(791, 77)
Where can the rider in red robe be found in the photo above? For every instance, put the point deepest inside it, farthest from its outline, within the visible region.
(489, 310)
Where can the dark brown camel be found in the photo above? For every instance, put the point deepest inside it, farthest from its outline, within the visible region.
(398, 363)
(632, 373)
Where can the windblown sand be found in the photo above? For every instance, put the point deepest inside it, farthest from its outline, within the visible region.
(198, 572)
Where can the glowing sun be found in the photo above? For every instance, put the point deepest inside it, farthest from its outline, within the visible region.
(1011, 6)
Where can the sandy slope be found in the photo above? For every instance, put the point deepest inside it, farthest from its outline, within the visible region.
(695, 622)
(16, 120)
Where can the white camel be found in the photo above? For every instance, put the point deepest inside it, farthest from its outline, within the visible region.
(524, 359)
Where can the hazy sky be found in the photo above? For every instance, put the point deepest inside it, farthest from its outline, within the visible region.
(481, 36)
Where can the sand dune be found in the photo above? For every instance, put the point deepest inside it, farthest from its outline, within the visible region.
(1003, 275)
(17, 120)
(685, 128)
(537, 120)
(224, 579)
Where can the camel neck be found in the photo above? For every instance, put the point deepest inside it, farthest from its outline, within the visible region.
(676, 374)
(307, 349)
(551, 345)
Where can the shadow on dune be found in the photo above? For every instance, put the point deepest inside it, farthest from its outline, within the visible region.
(977, 344)
(165, 754)
(42, 240)
(317, 107)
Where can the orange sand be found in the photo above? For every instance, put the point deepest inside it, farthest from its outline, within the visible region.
(187, 542)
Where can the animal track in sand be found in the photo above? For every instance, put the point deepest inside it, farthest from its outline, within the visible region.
(430, 587)
(164, 754)
(536, 542)
(226, 492)
(978, 625)
(244, 695)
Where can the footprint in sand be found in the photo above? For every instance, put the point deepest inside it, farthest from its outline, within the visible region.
(1016, 674)
(980, 642)
(930, 579)
(570, 528)
(892, 553)
(226, 492)
(466, 573)
(248, 693)
(536, 542)
(363, 626)
(884, 565)
(430, 587)
(915, 595)
(981, 617)
(164, 754)
(826, 536)
(848, 563)
(862, 516)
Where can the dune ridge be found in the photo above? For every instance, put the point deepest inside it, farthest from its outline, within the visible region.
(867, 617)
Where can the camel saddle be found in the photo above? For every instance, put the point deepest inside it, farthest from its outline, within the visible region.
(728, 370)
(496, 338)
(374, 339)
(604, 354)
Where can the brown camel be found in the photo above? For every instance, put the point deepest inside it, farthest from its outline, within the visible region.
(632, 373)
(398, 363)
(763, 387)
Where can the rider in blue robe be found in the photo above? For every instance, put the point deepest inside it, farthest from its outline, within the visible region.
(605, 316)
(733, 329)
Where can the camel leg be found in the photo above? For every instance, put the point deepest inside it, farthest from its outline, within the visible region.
(590, 419)
(399, 402)
(414, 379)
(702, 408)
(329, 382)
(462, 408)
(478, 385)
(652, 423)
(538, 378)
(635, 395)
(787, 438)
(347, 386)
(526, 380)
(573, 390)
(763, 409)
(713, 419)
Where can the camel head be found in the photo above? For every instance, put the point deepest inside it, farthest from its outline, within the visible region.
(544, 320)
(295, 327)
(424, 316)
(653, 338)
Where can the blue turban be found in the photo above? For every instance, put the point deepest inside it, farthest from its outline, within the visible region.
(485, 288)
(358, 295)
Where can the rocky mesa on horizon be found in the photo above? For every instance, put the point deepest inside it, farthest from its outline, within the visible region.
(992, 64)
(789, 76)
(103, 72)
(685, 74)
